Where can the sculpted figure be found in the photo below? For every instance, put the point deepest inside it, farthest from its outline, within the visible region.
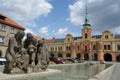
(43, 59)
(14, 46)
(23, 60)
(32, 53)
(30, 39)
(19, 59)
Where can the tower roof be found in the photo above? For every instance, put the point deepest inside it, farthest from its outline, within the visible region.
(86, 23)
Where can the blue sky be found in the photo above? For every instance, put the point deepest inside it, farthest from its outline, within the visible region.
(56, 18)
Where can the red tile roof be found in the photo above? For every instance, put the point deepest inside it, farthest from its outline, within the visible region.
(8, 21)
(37, 37)
(50, 40)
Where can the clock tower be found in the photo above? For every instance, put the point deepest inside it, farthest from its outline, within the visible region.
(86, 30)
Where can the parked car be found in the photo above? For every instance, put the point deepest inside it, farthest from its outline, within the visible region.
(59, 61)
(2, 61)
(51, 58)
(71, 60)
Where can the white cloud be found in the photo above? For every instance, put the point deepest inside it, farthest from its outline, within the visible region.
(76, 12)
(25, 11)
(115, 30)
(27, 30)
(62, 31)
(103, 14)
(43, 30)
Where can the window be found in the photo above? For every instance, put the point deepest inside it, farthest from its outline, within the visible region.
(106, 36)
(118, 47)
(85, 35)
(12, 30)
(52, 48)
(85, 48)
(68, 48)
(78, 47)
(107, 47)
(56, 48)
(94, 47)
(68, 39)
(3, 27)
(1, 39)
(17, 30)
(60, 48)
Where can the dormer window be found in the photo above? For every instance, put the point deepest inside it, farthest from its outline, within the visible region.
(68, 39)
(106, 36)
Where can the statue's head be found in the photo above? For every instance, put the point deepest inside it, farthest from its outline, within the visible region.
(20, 34)
(29, 35)
(41, 43)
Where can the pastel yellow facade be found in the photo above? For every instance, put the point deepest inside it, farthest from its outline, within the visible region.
(104, 47)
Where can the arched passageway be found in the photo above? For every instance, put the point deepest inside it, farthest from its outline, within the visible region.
(52, 55)
(78, 56)
(68, 55)
(95, 57)
(118, 58)
(86, 56)
(60, 55)
(107, 57)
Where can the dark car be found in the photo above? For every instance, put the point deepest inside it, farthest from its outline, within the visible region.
(59, 61)
(52, 58)
(70, 60)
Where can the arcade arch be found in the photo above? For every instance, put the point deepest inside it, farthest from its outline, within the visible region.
(118, 58)
(52, 55)
(60, 55)
(107, 57)
(86, 56)
(68, 55)
(95, 56)
(78, 56)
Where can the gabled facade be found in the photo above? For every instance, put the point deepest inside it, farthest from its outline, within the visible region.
(7, 29)
(104, 47)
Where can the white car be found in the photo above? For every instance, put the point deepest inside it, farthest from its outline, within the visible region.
(2, 61)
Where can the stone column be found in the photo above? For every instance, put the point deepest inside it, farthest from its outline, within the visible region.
(100, 56)
(82, 49)
(90, 51)
(73, 53)
(113, 57)
(64, 55)
(100, 51)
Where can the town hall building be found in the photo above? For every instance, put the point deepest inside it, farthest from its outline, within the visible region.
(104, 47)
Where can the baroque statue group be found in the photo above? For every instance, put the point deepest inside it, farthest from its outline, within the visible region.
(25, 56)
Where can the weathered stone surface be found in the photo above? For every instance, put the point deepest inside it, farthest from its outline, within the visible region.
(30, 58)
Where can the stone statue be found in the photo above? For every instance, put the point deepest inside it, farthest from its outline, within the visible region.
(32, 53)
(30, 39)
(32, 57)
(23, 61)
(14, 46)
(42, 55)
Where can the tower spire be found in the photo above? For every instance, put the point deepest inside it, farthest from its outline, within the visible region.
(86, 18)
(86, 24)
